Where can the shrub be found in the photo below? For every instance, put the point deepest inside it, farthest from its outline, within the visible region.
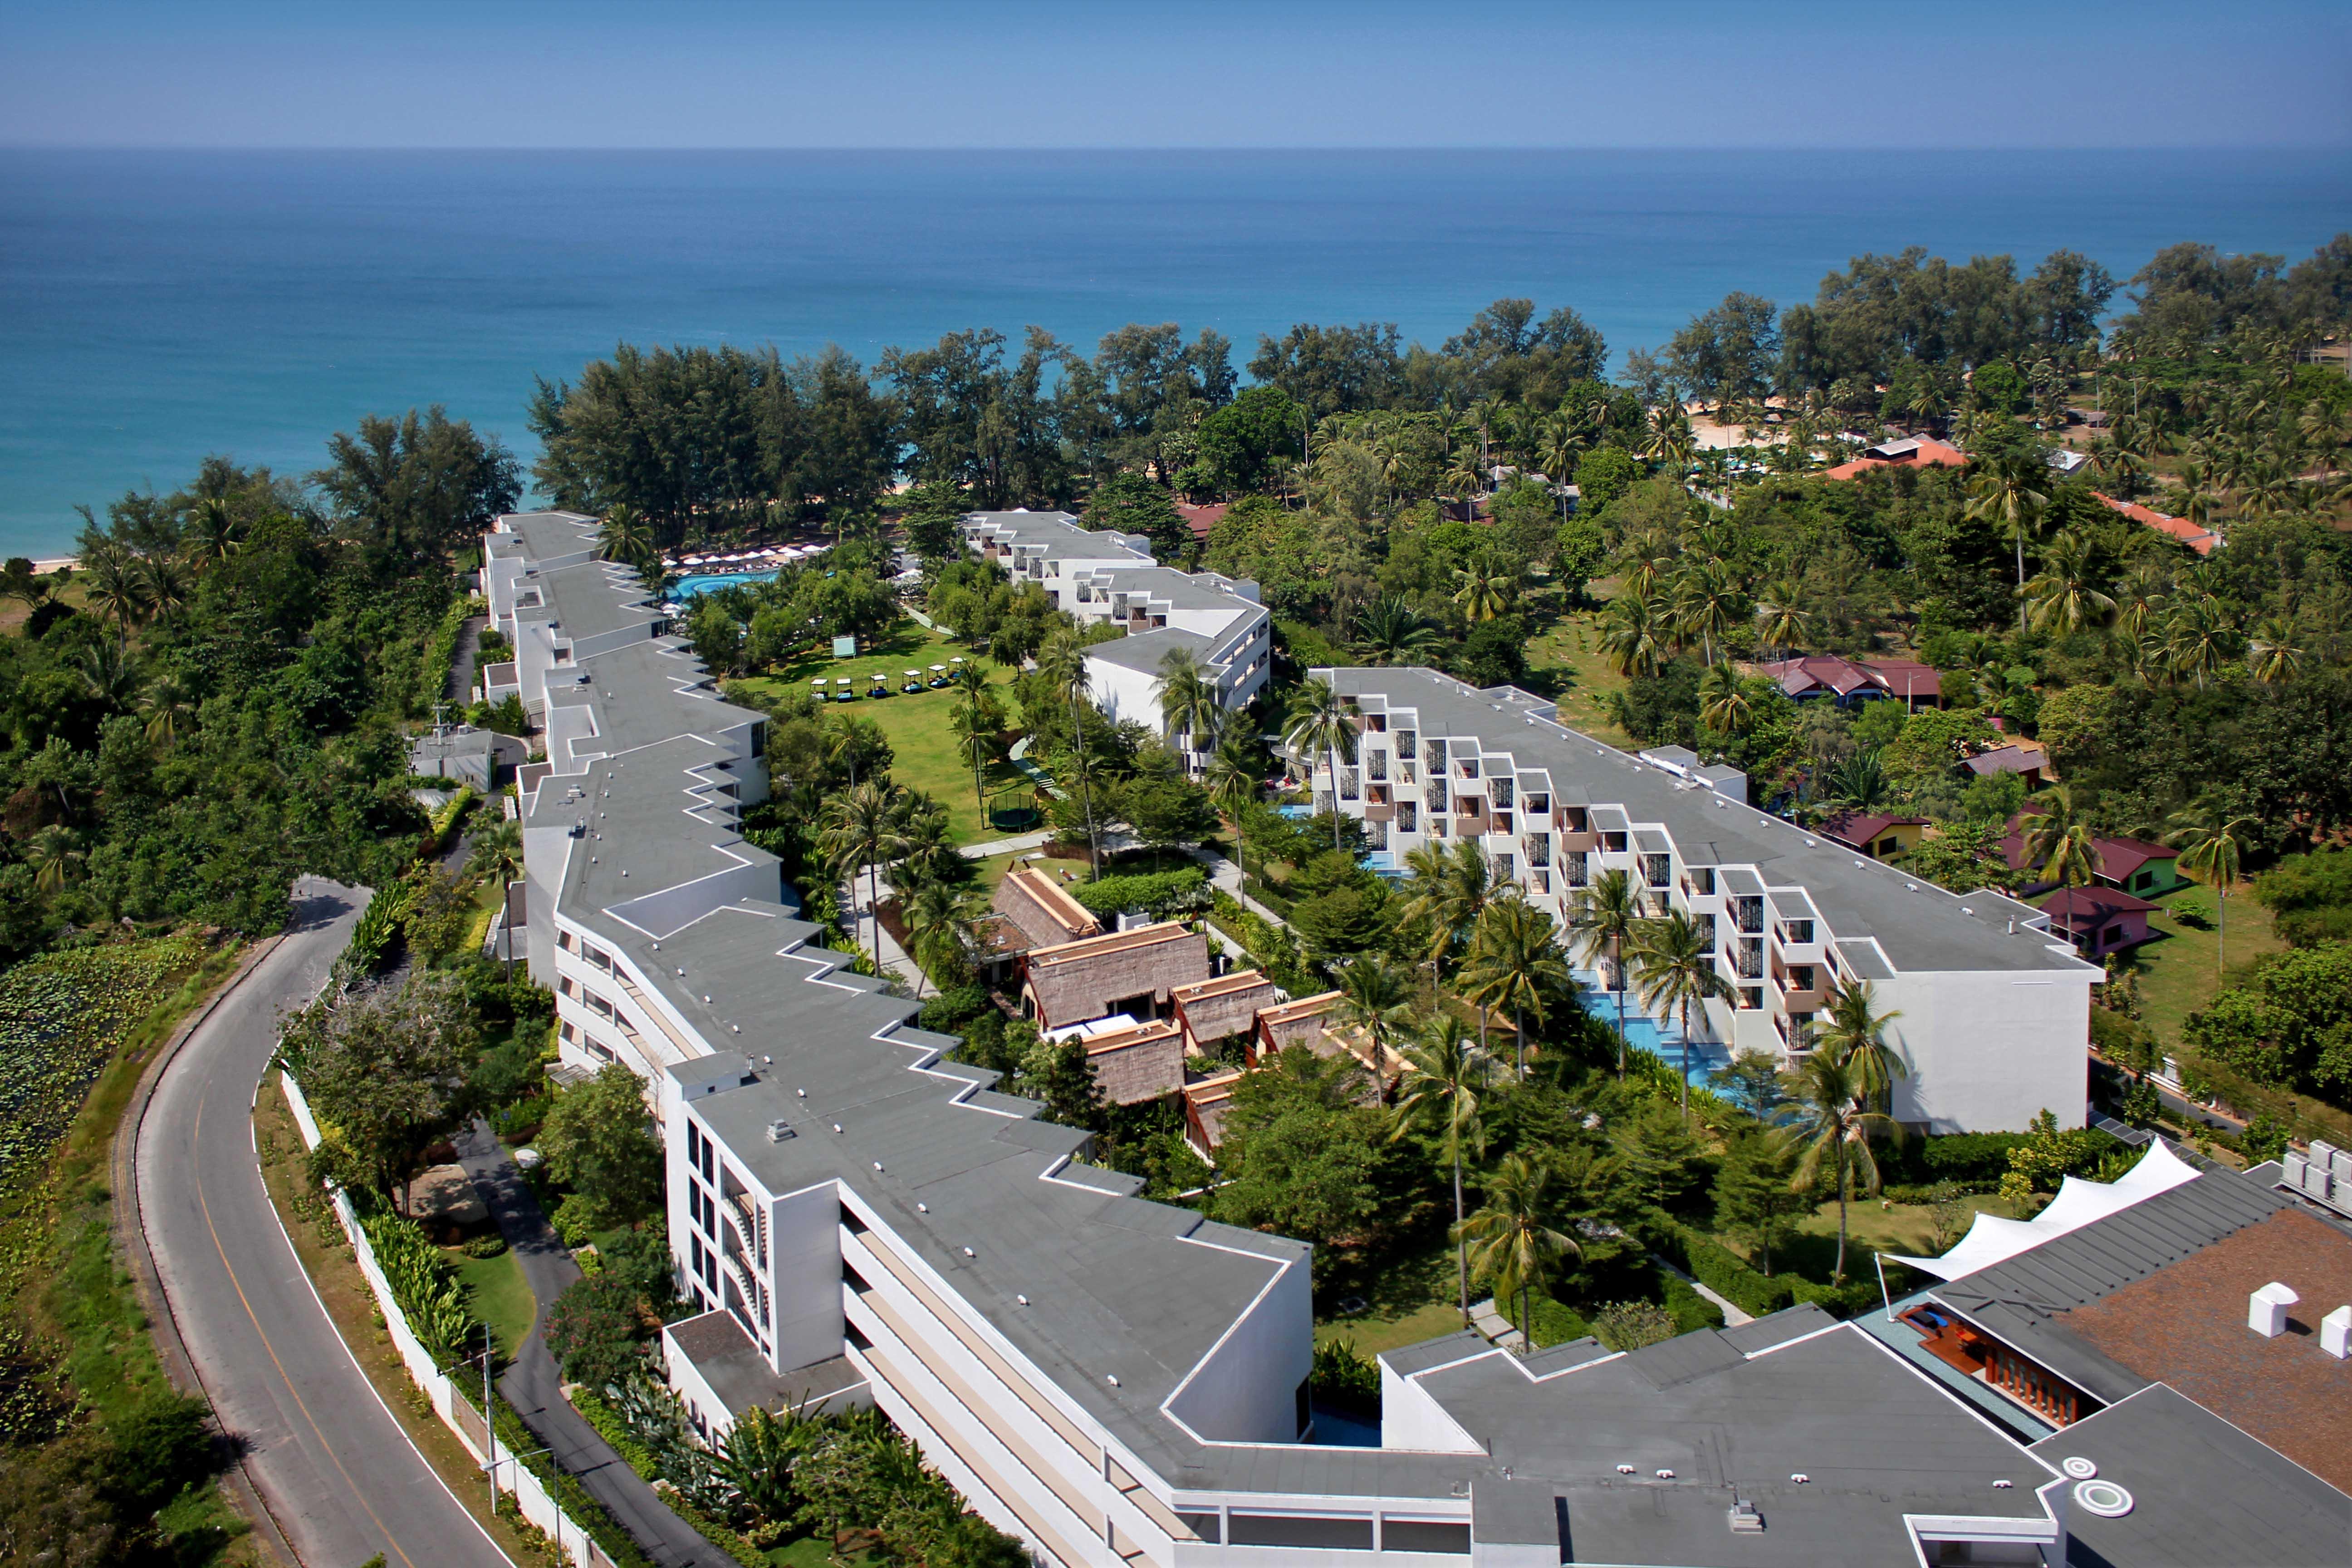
(1347, 1380)
(949, 1011)
(1556, 1322)
(485, 1247)
(1691, 1310)
(1630, 1325)
(1159, 894)
(596, 1331)
(1719, 1269)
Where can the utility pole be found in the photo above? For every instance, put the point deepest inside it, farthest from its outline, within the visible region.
(490, 1421)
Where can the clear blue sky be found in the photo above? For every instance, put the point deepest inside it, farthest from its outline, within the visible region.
(1367, 73)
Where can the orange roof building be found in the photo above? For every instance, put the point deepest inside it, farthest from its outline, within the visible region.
(2201, 540)
(1911, 452)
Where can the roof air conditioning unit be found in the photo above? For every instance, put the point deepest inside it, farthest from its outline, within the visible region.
(779, 1131)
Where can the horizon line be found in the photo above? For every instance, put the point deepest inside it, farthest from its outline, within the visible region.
(1883, 147)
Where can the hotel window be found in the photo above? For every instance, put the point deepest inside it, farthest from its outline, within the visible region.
(1796, 932)
(1408, 815)
(1612, 843)
(1502, 790)
(1658, 870)
(1407, 742)
(1801, 978)
(1702, 879)
(1574, 862)
(1436, 756)
(1751, 998)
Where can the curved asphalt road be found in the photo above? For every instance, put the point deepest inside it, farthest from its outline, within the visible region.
(338, 1472)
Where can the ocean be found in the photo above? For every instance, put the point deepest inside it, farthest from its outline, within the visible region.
(156, 307)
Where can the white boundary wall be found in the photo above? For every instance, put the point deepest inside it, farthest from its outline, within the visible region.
(529, 1492)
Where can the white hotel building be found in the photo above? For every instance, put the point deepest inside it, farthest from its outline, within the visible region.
(1118, 1382)
(1111, 577)
(1994, 1010)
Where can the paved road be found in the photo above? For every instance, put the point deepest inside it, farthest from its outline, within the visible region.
(535, 1389)
(337, 1471)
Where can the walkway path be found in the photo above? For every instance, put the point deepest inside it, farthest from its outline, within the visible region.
(1734, 1315)
(1006, 845)
(534, 1386)
(338, 1473)
(1488, 1321)
(461, 668)
(1226, 875)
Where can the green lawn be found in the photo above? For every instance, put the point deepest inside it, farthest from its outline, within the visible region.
(1408, 1298)
(928, 758)
(1564, 659)
(2177, 974)
(495, 1289)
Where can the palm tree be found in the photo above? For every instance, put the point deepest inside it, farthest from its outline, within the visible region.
(1856, 1034)
(1447, 889)
(1187, 691)
(1319, 722)
(1829, 1117)
(109, 676)
(163, 583)
(2061, 593)
(1391, 631)
(1445, 1071)
(862, 827)
(2141, 595)
(1511, 1238)
(939, 924)
(1723, 704)
(2211, 844)
(1630, 636)
(1467, 477)
(1673, 960)
(1781, 620)
(974, 717)
(1859, 784)
(114, 587)
(167, 703)
(1515, 964)
(1707, 603)
(1600, 920)
(2058, 840)
(1234, 784)
(213, 531)
(1062, 661)
(2275, 650)
(1484, 589)
(496, 852)
(1374, 996)
(624, 536)
(2196, 643)
(1644, 561)
(2004, 493)
(55, 857)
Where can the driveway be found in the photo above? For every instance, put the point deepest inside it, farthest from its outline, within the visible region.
(535, 1388)
(337, 1471)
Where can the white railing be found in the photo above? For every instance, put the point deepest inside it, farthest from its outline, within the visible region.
(529, 1492)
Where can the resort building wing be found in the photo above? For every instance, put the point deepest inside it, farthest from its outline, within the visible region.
(859, 1218)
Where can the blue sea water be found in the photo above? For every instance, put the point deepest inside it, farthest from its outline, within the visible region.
(155, 307)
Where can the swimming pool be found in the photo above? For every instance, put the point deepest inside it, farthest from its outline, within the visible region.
(703, 582)
(1663, 1040)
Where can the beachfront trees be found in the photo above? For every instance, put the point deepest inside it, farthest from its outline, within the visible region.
(416, 487)
(1446, 1072)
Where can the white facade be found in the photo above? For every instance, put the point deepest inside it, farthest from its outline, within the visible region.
(1994, 1010)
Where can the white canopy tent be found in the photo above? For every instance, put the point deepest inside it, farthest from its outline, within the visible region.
(1992, 1239)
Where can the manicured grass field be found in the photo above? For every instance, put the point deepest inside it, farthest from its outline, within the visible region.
(927, 755)
(1566, 649)
(496, 1291)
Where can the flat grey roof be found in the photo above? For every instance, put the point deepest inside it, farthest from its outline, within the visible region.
(1918, 924)
(2204, 1494)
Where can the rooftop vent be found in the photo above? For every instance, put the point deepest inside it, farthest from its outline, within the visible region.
(1744, 1519)
(2336, 1332)
(968, 1252)
(2266, 1309)
(1624, 1469)
(779, 1131)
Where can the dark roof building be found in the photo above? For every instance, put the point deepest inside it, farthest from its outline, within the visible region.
(1849, 680)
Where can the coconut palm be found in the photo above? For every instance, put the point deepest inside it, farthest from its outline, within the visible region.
(939, 927)
(55, 857)
(1782, 619)
(1320, 722)
(1511, 1240)
(1234, 784)
(2062, 595)
(497, 854)
(1484, 588)
(1601, 920)
(1467, 477)
(1375, 996)
(1708, 603)
(1062, 659)
(113, 587)
(1643, 562)
(1859, 784)
(1446, 1072)
(2006, 492)
(1631, 638)
(1829, 1123)
(163, 584)
(1723, 703)
(975, 718)
(109, 676)
(167, 705)
(2141, 594)
(1515, 964)
(624, 536)
(1188, 708)
(2198, 639)
(2057, 839)
(2275, 651)
(1854, 1032)
(2212, 843)
(1391, 631)
(864, 827)
(1672, 961)
(213, 532)
(1447, 889)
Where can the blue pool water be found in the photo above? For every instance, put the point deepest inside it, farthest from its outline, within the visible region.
(702, 583)
(1333, 1430)
(1663, 1040)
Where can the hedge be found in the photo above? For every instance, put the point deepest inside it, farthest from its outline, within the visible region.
(1157, 893)
(1556, 1324)
(599, 1412)
(1720, 1270)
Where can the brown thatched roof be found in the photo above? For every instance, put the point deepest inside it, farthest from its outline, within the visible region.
(1041, 910)
(1228, 1005)
(1299, 1023)
(1080, 980)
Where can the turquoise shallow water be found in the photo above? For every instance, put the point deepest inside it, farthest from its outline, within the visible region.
(156, 307)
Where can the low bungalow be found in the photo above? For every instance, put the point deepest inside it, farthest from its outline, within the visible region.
(1131, 972)
(1299, 1023)
(467, 755)
(1229, 1005)
(1910, 452)
(1875, 834)
(1136, 1063)
(2203, 540)
(1849, 681)
(2027, 758)
(1205, 1102)
(2098, 921)
(2126, 865)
